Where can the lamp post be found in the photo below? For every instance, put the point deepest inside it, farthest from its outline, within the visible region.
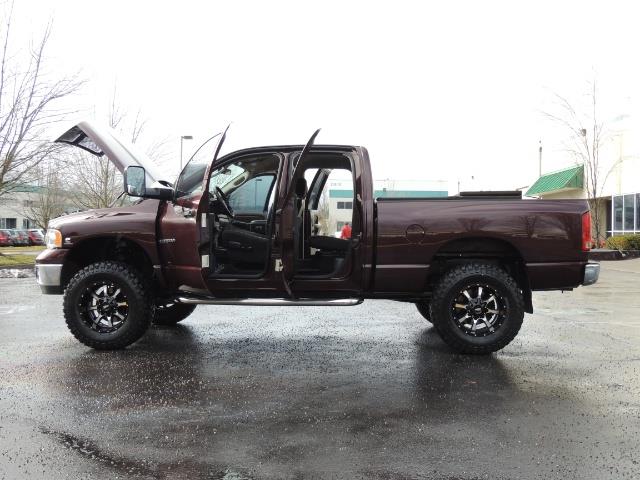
(182, 139)
(539, 158)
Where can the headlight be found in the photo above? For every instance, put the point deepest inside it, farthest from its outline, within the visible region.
(53, 238)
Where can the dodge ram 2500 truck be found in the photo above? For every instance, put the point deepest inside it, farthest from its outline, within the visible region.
(252, 228)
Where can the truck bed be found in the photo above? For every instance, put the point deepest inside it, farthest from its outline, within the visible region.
(544, 234)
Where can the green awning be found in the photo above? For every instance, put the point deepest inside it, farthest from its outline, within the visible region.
(563, 180)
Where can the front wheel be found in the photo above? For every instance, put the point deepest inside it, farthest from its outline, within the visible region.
(477, 308)
(107, 305)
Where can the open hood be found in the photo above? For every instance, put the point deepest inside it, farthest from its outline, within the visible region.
(101, 140)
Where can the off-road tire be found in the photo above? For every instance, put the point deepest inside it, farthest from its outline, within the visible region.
(425, 310)
(172, 313)
(466, 276)
(139, 304)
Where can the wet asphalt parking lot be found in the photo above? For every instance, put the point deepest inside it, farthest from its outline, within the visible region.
(359, 392)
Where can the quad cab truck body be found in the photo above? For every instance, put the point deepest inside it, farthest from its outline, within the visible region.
(251, 228)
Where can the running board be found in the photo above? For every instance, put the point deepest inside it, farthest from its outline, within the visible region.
(271, 302)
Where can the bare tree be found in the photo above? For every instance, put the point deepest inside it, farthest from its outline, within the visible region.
(95, 182)
(586, 133)
(529, 223)
(50, 199)
(29, 101)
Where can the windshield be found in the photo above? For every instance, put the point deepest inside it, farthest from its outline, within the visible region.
(190, 180)
(225, 177)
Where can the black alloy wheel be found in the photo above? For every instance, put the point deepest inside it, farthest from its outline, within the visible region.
(104, 306)
(478, 310)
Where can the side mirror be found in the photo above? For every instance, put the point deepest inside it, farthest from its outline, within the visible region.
(134, 181)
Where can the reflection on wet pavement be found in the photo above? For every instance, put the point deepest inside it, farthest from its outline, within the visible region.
(361, 392)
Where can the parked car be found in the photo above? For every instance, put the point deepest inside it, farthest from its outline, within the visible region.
(5, 238)
(20, 238)
(237, 230)
(35, 237)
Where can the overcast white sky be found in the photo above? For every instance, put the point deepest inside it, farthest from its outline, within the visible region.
(434, 90)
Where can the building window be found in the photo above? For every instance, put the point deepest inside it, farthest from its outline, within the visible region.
(8, 223)
(617, 214)
(626, 214)
(629, 206)
(345, 205)
(27, 224)
(28, 203)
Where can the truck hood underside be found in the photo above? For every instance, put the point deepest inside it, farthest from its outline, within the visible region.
(100, 140)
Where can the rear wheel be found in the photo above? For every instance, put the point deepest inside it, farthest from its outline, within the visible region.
(171, 313)
(107, 305)
(424, 309)
(477, 308)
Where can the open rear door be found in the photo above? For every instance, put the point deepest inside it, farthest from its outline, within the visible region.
(202, 217)
(286, 218)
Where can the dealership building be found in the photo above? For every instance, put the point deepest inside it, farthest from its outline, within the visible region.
(15, 205)
(618, 178)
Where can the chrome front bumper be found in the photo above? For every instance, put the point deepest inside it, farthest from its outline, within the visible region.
(591, 273)
(48, 276)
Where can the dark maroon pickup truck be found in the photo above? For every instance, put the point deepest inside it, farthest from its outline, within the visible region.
(259, 227)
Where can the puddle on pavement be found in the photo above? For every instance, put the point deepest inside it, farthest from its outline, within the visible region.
(12, 309)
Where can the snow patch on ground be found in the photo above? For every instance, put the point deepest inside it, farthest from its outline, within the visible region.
(16, 273)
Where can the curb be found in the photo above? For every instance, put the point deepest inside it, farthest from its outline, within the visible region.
(18, 267)
(605, 255)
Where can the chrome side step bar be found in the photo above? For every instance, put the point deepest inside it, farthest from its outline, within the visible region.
(271, 302)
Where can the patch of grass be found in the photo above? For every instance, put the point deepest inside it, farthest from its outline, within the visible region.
(33, 248)
(8, 261)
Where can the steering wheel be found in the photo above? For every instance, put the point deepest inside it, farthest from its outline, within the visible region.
(224, 201)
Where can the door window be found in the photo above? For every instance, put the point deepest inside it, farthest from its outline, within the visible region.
(189, 183)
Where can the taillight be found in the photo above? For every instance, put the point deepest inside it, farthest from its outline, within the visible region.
(586, 231)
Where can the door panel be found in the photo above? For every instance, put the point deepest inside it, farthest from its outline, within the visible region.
(244, 246)
(177, 243)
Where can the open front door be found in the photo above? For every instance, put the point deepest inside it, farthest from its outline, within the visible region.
(178, 223)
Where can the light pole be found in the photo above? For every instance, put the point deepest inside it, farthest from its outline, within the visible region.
(182, 139)
(539, 158)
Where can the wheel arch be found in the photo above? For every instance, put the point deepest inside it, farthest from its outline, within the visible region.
(489, 249)
(103, 248)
